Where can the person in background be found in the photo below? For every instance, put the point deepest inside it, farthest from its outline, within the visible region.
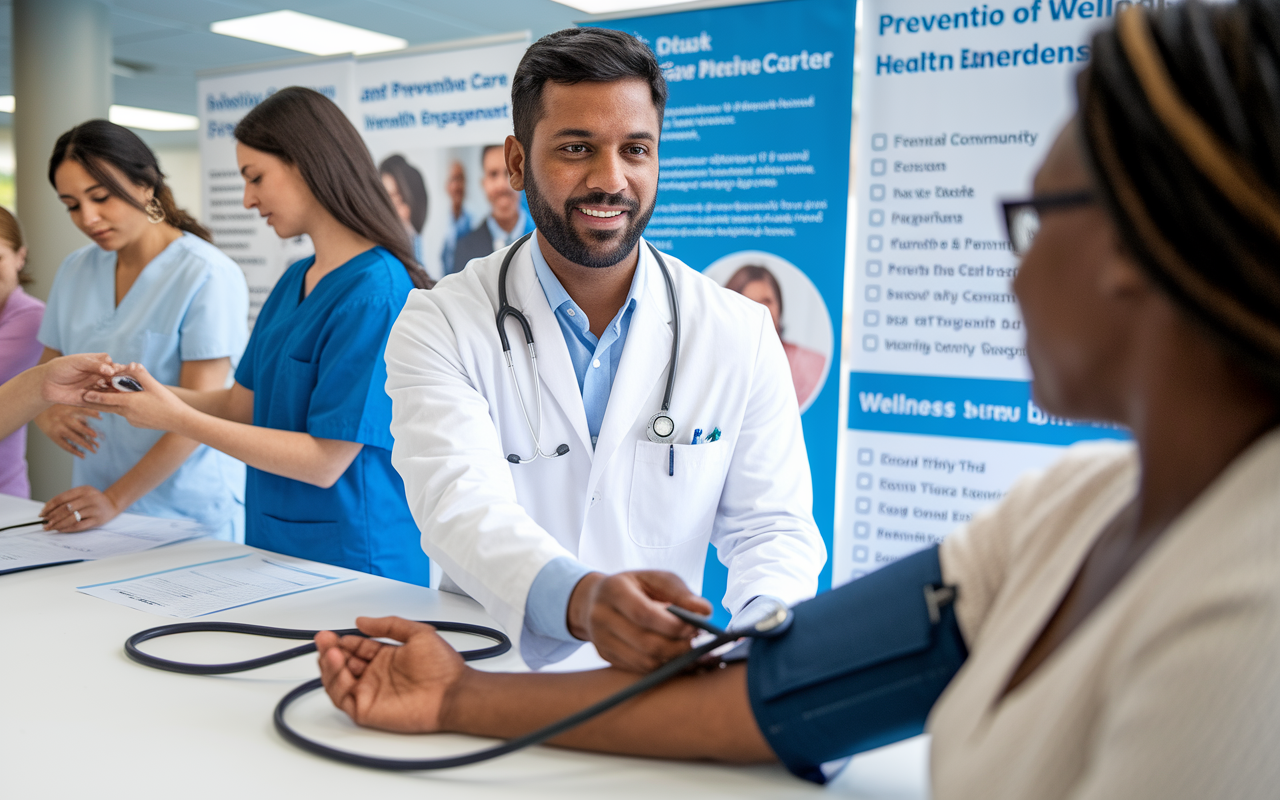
(1121, 610)
(459, 221)
(759, 284)
(408, 193)
(308, 411)
(151, 289)
(507, 220)
(20, 349)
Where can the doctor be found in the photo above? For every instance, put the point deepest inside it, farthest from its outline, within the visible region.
(572, 495)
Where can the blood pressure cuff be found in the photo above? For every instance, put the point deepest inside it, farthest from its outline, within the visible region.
(860, 667)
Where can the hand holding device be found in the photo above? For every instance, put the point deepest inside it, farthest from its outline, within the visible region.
(151, 405)
(625, 616)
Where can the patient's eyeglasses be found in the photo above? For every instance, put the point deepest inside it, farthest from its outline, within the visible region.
(1022, 217)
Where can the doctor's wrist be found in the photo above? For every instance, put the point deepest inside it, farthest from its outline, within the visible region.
(578, 613)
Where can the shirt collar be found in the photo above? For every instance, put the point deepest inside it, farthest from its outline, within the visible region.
(557, 297)
(496, 231)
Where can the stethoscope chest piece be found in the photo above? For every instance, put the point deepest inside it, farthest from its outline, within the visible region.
(662, 428)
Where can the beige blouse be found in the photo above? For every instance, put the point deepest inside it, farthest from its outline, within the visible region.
(1170, 689)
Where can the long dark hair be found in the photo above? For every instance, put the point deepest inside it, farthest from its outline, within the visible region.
(98, 142)
(413, 190)
(303, 127)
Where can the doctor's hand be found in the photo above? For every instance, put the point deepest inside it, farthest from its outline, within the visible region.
(625, 616)
(154, 408)
(399, 688)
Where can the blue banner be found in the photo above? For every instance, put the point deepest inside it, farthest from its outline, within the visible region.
(967, 408)
(755, 182)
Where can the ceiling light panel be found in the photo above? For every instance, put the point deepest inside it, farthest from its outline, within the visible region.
(302, 32)
(614, 6)
(152, 120)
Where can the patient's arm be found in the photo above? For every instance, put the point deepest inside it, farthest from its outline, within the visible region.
(424, 686)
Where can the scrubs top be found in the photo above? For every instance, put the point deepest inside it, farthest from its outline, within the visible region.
(316, 365)
(190, 303)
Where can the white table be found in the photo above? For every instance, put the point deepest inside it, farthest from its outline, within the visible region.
(78, 719)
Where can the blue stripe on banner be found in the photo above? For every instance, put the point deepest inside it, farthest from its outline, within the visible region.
(967, 408)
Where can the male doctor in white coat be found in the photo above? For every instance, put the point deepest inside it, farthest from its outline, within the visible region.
(543, 494)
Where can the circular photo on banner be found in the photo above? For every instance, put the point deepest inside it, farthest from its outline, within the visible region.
(799, 313)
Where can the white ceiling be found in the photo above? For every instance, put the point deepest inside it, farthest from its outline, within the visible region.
(161, 44)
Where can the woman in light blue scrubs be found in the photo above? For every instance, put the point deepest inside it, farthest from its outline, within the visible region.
(309, 412)
(152, 289)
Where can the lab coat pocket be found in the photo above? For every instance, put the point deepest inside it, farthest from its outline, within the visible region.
(668, 509)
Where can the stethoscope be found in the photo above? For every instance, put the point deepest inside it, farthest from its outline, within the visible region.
(773, 620)
(662, 428)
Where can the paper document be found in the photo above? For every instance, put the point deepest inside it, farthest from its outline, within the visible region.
(200, 589)
(25, 548)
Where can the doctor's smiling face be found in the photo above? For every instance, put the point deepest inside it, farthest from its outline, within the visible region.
(590, 171)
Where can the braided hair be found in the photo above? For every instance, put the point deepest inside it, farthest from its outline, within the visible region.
(1181, 121)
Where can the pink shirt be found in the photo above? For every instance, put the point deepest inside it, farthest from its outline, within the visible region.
(806, 370)
(19, 350)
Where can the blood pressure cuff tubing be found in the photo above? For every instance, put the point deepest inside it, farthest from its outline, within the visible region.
(860, 667)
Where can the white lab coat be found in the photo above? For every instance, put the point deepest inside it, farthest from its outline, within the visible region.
(492, 525)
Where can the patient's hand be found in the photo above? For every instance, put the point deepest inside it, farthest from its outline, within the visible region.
(396, 688)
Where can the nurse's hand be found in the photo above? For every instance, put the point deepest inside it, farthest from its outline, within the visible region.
(625, 616)
(78, 509)
(64, 379)
(68, 428)
(154, 408)
(396, 688)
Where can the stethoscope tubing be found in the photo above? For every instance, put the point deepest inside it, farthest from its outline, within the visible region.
(662, 674)
(131, 649)
(506, 310)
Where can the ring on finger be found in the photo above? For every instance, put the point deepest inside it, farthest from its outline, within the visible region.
(76, 514)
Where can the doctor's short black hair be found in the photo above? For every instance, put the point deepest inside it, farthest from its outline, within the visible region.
(574, 55)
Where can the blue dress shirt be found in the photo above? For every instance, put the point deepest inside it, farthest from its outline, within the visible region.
(595, 363)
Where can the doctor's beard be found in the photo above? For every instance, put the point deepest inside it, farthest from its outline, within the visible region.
(558, 229)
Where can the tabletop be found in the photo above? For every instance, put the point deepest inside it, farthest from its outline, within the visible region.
(77, 717)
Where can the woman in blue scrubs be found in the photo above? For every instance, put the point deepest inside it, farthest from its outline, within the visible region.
(309, 411)
(149, 288)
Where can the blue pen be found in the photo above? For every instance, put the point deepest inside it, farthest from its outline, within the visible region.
(697, 434)
(671, 465)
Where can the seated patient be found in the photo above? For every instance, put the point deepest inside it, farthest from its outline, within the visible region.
(1121, 611)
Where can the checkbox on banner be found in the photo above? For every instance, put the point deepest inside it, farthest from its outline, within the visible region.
(876, 217)
(866, 456)
(860, 552)
(875, 243)
(873, 268)
(865, 480)
(862, 505)
(879, 141)
(871, 319)
(878, 166)
(873, 293)
(871, 343)
(877, 191)
(862, 530)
